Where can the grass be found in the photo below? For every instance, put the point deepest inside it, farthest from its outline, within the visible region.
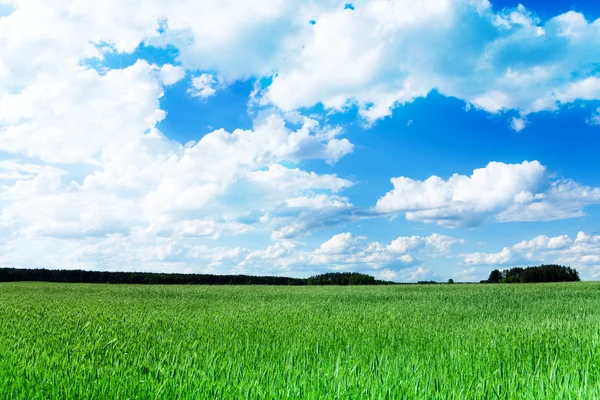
(70, 341)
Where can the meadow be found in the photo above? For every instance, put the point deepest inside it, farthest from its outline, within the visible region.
(84, 341)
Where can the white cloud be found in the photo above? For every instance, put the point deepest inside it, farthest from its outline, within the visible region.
(170, 74)
(339, 243)
(286, 179)
(415, 274)
(318, 202)
(502, 258)
(387, 53)
(518, 124)
(300, 216)
(274, 253)
(544, 242)
(504, 192)
(585, 89)
(466, 275)
(594, 119)
(377, 56)
(203, 86)
(438, 244)
(14, 170)
(345, 251)
(161, 186)
(77, 113)
(582, 253)
(562, 199)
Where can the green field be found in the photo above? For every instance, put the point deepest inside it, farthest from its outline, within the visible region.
(69, 341)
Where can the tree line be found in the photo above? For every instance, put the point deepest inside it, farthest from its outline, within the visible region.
(343, 279)
(149, 278)
(542, 273)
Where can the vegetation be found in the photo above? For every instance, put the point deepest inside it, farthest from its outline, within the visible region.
(61, 341)
(341, 278)
(543, 273)
(146, 278)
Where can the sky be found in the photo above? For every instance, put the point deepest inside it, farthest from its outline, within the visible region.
(404, 139)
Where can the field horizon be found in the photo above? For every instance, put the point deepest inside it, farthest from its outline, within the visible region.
(532, 274)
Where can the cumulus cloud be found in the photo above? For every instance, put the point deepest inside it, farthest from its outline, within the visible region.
(439, 244)
(502, 192)
(346, 251)
(505, 257)
(518, 124)
(279, 256)
(203, 86)
(300, 216)
(11, 170)
(581, 252)
(340, 243)
(415, 274)
(594, 119)
(121, 180)
(293, 179)
(157, 183)
(77, 113)
(170, 74)
(385, 54)
(377, 56)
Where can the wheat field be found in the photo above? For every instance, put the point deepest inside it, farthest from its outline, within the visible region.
(83, 341)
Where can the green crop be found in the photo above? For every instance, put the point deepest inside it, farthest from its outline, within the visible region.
(78, 341)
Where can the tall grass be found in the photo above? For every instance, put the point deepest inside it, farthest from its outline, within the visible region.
(69, 341)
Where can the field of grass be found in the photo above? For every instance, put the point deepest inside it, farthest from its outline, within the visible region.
(69, 341)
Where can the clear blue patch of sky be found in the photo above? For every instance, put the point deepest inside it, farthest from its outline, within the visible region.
(152, 55)
(5, 10)
(546, 9)
(190, 118)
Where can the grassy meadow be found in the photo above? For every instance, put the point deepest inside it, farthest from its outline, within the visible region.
(81, 341)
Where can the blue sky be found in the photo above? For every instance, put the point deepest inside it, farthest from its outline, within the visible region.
(407, 140)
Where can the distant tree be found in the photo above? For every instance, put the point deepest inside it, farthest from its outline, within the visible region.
(542, 273)
(549, 273)
(78, 276)
(341, 278)
(512, 275)
(148, 278)
(450, 281)
(495, 276)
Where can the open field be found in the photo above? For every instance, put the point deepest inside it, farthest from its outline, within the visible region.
(225, 342)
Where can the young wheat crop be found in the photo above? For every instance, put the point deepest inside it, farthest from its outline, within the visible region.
(60, 341)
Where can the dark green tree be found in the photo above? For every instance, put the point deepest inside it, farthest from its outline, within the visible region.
(45, 275)
(542, 273)
(495, 276)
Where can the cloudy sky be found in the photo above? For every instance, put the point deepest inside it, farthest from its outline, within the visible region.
(408, 139)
